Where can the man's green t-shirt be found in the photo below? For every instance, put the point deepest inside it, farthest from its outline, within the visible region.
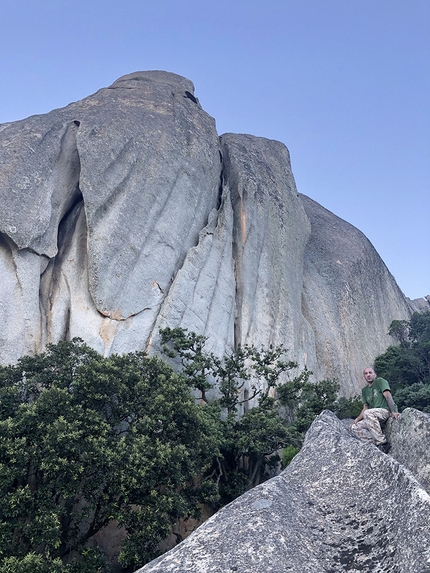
(373, 395)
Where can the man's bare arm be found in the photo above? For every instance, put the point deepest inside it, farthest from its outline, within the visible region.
(391, 404)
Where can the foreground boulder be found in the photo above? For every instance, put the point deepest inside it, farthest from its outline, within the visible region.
(410, 439)
(341, 505)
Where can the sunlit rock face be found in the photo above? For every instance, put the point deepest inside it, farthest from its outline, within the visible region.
(110, 194)
(341, 505)
(270, 234)
(349, 297)
(125, 212)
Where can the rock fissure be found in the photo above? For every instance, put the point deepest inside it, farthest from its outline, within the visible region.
(190, 96)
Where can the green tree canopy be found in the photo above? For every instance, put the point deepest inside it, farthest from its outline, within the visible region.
(285, 405)
(85, 440)
(407, 366)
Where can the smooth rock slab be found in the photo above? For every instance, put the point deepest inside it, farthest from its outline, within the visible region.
(349, 298)
(270, 234)
(341, 505)
(150, 176)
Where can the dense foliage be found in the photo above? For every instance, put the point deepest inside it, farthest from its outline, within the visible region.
(407, 366)
(251, 438)
(87, 441)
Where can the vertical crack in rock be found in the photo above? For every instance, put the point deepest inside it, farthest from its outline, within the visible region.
(270, 233)
(201, 297)
(67, 213)
(43, 188)
(8, 247)
(55, 284)
(221, 183)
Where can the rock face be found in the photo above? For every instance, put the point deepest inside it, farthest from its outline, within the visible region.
(136, 169)
(125, 212)
(341, 505)
(409, 443)
(348, 295)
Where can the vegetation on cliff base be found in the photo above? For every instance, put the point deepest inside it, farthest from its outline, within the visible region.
(87, 440)
(252, 435)
(407, 366)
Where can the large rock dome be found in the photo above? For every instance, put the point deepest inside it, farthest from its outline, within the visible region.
(126, 212)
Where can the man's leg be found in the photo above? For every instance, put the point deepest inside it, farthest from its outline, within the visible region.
(373, 418)
(361, 430)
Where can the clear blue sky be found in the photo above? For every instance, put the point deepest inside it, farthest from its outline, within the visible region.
(345, 84)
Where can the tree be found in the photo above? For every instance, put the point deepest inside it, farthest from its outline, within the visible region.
(310, 399)
(251, 439)
(407, 366)
(85, 440)
(399, 329)
(398, 365)
(257, 370)
(414, 396)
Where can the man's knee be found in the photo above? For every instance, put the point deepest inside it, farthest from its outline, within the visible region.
(370, 413)
(376, 414)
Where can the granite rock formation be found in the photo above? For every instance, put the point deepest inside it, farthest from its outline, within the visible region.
(348, 295)
(341, 505)
(409, 441)
(126, 212)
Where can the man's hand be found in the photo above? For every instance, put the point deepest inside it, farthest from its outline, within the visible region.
(360, 415)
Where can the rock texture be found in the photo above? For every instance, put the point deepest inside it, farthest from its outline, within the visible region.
(126, 212)
(349, 296)
(341, 505)
(270, 234)
(420, 304)
(410, 438)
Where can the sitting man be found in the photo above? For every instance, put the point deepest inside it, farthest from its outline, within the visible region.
(378, 406)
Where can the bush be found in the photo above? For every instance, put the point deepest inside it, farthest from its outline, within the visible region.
(85, 440)
(407, 366)
(346, 408)
(288, 454)
(251, 442)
